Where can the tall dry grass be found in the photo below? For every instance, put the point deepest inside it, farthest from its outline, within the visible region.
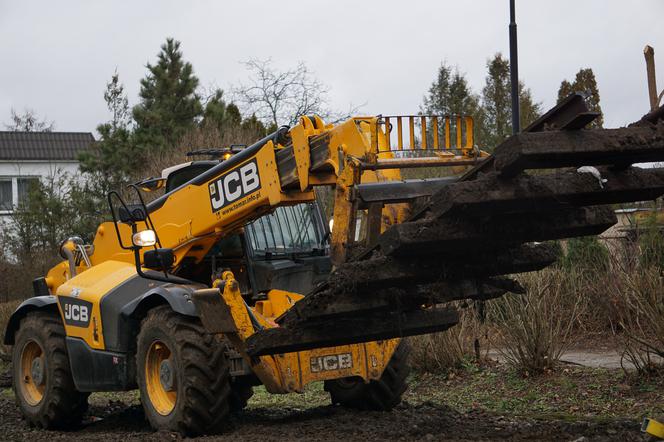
(533, 330)
(640, 307)
(615, 291)
(453, 348)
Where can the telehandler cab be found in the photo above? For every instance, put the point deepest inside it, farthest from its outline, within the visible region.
(197, 296)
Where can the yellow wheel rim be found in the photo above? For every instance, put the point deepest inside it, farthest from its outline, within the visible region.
(33, 373)
(160, 378)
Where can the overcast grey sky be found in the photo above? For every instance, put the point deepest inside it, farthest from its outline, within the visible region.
(56, 56)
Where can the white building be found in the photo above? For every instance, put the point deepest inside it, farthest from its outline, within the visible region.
(26, 156)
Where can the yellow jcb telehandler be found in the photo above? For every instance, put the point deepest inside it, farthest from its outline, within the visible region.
(198, 296)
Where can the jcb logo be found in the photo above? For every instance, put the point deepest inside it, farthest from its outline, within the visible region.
(234, 185)
(75, 311)
(331, 362)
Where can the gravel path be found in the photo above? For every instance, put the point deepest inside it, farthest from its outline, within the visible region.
(115, 421)
(587, 358)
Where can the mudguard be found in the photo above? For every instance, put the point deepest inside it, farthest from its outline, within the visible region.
(177, 296)
(121, 321)
(35, 303)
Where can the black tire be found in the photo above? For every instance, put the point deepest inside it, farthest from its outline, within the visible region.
(60, 406)
(201, 381)
(381, 395)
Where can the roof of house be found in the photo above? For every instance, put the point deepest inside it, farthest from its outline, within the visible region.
(43, 146)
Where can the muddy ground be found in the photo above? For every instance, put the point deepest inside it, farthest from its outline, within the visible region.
(123, 420)
(575, 404)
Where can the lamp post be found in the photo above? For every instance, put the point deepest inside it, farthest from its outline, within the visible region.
(514, 71)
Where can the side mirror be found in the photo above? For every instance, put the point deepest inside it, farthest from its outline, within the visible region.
(159, 259)
(151, 184)
(145, 238)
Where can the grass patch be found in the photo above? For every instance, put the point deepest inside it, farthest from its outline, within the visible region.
(313, 396)
(570, 393)
(109, 397)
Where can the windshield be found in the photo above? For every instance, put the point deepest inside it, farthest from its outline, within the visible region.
(287, 230)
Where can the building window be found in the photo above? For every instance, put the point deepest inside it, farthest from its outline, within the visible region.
(15, 190)
(6, 198)
(25, 185)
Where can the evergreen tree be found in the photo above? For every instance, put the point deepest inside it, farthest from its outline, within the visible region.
(215, 110)
(450, 94)
(169, 104)
(233, 115)
(219, 114)
(497, 104)
(529, 110)
(586, 84)
(113, 158)
(254, 125)
(565, 90)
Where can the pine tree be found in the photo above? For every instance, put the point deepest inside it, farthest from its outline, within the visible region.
(220, 114)
(255, 126)
(565, 90)
(215, 110)
(529, 110)
(169, 104)
(496, 102)
(496, 125)
(450, 94)
(585, 84)
(233, 115)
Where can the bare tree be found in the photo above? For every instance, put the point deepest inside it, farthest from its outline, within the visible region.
(28, 121)
(281, 97)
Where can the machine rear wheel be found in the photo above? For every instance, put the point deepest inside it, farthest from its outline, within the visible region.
(42, 379)
(183, 374)
(381, 395)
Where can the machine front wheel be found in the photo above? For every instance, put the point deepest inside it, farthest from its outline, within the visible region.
(381, 395)
(42, 379)
(183, 374)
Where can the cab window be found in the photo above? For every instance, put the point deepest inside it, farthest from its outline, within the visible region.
(287, 230)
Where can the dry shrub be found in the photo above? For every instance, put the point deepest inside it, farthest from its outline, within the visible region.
(18, 274)
(641, 307)
(533, 330)
(198, 138)
(634, 295)
(206, 137)
(448, 350)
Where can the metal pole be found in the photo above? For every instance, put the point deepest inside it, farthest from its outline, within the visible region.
(514, 72)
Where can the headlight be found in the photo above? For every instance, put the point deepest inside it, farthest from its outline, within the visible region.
(146, 238)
